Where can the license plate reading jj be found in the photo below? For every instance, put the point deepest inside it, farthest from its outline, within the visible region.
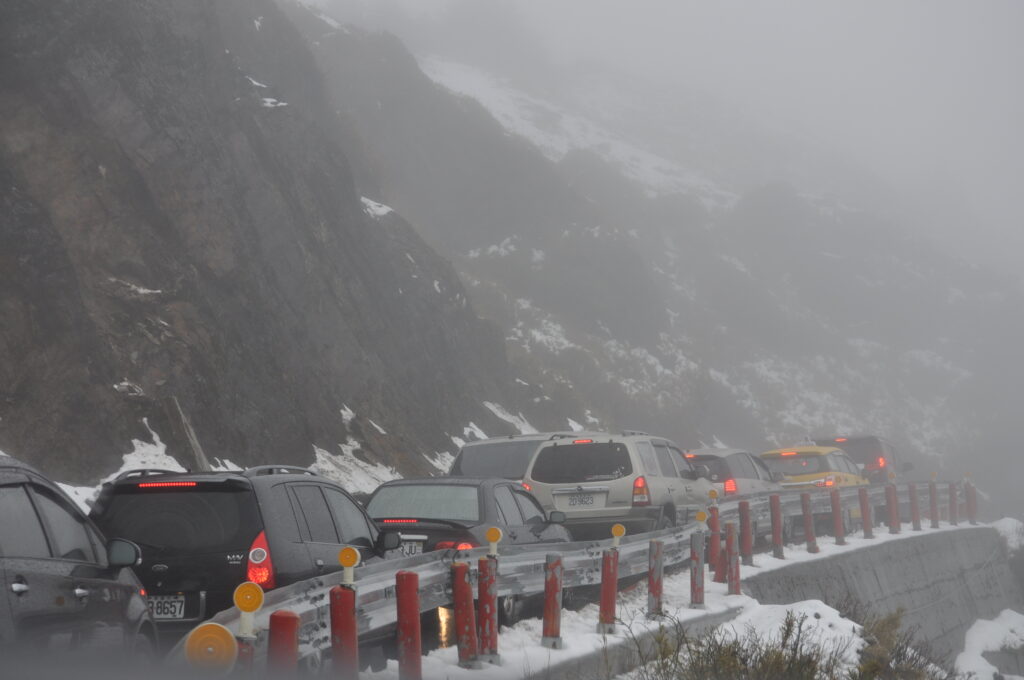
(167, 606)
(581, 499)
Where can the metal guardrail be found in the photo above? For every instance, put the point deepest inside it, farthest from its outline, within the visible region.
(521, 571)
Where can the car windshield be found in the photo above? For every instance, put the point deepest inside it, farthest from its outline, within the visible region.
(458, 503)
(719, 469)
(183, 521)
(508, 459)
(799, 464)
(592, 462)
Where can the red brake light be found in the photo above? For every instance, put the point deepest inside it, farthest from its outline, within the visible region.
(788, 453)
(730, 486)
(840, 439)
(527, 486)
(448, 545)
(152, 485)
(690, 455)
(583, 441)
(881, 462)
(641, 495)
(827, 481)
(260, 569)
(142, 591)
(399, 521)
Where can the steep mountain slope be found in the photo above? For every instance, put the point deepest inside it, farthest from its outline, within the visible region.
(179, 220)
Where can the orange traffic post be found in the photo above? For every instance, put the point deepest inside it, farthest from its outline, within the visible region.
(283, 644)
(972, 502)
(551, 629)
(933, 503)
(609, 591)
(487, 603)
(953, 507)
(697, 570)
(465, 617)
(344, 632)
(410, 641)
(655, 578)
(732, 557)
(893, 507)
(865, 512)
(775, 505)
(715, 537)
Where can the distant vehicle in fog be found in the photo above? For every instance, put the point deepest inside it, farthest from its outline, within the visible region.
(876, 456)
(506, 457)
(67, 589)
(814, 467)
(735, 472)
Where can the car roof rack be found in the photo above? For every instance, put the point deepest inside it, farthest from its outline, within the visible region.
(144, 472)
(260, 470)
(635, 433)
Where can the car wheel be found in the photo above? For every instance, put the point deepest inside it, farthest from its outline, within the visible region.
(510, 610)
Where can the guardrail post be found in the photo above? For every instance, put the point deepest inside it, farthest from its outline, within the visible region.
(972, 502)
(655, 578)
(892, 505)
(410, 642)
(552, 626)
(838, 525)
(609, 591)
(775, 504)
(746, 535)
(283, 643)
(465, 618)
(915, 509)
(953, 509)
(732, 558)
(246, 652)
(345, 632)
(487, 601)
(805, 505)
(697, 570)
(714, 537)
(933, 503)
(865, 512)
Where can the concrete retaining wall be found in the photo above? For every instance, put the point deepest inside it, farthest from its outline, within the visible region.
(943, 581)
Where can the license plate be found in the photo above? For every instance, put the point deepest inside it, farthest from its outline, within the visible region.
(410, 548)
(167, 606)
(581, 499)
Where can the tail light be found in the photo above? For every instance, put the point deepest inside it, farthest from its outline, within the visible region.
(391, 520)
(881, 462)
(527, 486)
(641, 494)
(583, 441)
(827, 481)
(448, 545)
(730, 486)
(260, 569)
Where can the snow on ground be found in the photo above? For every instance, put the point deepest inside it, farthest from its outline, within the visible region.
(518, 421)
(375, 209)
(271, 103)
(255, 82)
(354, 475)
(377, 427)
(1012, 531)
(473, 432)
(1006, 631)
(139, 290)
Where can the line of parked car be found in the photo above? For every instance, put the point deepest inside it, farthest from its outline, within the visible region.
(181, 542)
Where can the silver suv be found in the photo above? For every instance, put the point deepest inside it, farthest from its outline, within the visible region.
(641, 481)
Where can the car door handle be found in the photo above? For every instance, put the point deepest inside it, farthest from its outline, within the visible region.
(81, 592)
(19, 588)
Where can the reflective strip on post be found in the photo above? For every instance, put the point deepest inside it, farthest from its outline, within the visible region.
(805, 505)
(410, 641)
(552, 626)
(465, 617)
(283, 644)
(865, 512)
(655, 578)
(487, 602)
(746, 535)
(776, 510)
(344, 633)
(732, 558)
(609, 591)
(838, 525)
(697, 570)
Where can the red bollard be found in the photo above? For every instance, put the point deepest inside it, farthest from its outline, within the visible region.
(283, 643)
(915, 509)
(465, 617)
(838, 526)
(776, 510)
(697, 570)
(933, 504)
(953, 509)
(865, 512)
(552, 627)
(972, 503)
(805, 505)
(746, 535)
(715, 537)
(345, 632)
(733, 559)
(609, 591)
(655, 578)
(410, 643)
(487, 602)
(892, 505)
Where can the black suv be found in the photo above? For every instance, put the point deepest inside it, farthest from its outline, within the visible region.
(67, 590)
(204, 533)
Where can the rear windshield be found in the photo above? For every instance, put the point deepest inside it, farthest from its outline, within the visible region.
(581, 463)
(719, 469)
(426, 501)
(864, 450)
(508, 459)
(799, 464)
(183, 521)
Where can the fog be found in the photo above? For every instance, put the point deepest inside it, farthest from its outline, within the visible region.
(925, 95)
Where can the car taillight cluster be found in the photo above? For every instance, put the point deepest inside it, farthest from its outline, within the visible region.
(391, 520)
(730, 486)
(827, 481)
(641, 494)
(260, 568)
(448, 545)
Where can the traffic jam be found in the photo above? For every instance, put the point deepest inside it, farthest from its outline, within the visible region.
(162, 552)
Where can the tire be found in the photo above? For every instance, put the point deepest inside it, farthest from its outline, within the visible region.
(510, 610)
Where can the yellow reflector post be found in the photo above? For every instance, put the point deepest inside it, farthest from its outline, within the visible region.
(211, 647)
(248, 597)
(618, 531)
(348, 557)
(713, 494)
(702, 516)
(493, 535)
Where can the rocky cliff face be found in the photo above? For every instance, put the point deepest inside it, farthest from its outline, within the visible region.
(178, 219)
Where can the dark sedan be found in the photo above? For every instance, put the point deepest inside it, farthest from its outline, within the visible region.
(439, 513)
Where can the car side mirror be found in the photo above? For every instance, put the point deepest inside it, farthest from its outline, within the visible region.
(123, 553)
(388, 540)
(556, 517)
(907, 467)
